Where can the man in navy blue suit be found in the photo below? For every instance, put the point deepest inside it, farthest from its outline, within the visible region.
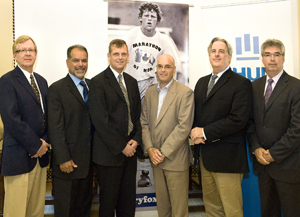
(25, 144)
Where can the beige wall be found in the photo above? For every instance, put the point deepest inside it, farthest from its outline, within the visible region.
(298, 3)
(6, 36)
(6, 39)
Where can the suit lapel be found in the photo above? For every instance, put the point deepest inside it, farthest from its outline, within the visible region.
(280, 86)
(24, 82)
(74, 90)
(43, 89)
(224, 78)
(111, 79)
(205, 86)
(167, 102)
(129, 88)
(261, 91)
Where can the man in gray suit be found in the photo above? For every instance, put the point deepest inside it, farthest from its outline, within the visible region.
(274, 134)
(166, 119)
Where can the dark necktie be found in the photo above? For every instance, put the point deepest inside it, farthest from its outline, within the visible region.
(268, 91)
(85, 93)
(130, 125)
(211, 84)
(37, 93)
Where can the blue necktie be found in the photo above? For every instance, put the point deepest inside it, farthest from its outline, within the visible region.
(85, 93)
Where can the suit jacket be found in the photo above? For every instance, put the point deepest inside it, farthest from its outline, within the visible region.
(69, 128)
(169, 132)
(109, 114)
(23, 122)
(277, 127)
(224, 115)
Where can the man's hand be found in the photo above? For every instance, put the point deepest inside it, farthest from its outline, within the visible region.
(67, 167)
(197, 135)
(129, 150)
(43, 149)
(155, 156)
(133, 143)
(260, 154)
(268, 156)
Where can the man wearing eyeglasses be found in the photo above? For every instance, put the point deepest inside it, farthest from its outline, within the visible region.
(25, 144)
(166, 119)
(274, 134)
(223, 101)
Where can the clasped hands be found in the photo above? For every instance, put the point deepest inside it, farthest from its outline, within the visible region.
(68, 167)
(130, 148)
(197, 135)
(263, 156)
(156, 157)
(43, 149)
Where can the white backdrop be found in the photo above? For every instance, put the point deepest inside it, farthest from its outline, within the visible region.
(56, 25)
(263, 21)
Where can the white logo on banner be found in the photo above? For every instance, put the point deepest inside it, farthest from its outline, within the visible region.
(248, 57)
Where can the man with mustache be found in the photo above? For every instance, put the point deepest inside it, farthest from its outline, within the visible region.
(70, 134)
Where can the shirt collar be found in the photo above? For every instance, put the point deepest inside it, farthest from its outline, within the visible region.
(220, 73)
(116, 73)
(275, 78)
(75, 79)
(166, 87)
(26, 73)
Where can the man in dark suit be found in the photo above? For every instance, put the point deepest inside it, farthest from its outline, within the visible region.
(70, 135)
(274, 134)
(223, 102)
(24, 153)
(115, 109)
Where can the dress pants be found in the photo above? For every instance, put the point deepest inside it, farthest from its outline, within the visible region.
(275, 195)
(222, 193)
(25, 193)
(118, 189)
(73, 197)
(172, 189)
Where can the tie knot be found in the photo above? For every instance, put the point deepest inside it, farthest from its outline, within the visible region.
(270, 80)
(214, 77)
(82, 83)
(120, 77)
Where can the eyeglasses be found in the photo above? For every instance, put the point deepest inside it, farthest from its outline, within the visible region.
(276, 55)
(23, 51)
(213, 51)
(166, 67)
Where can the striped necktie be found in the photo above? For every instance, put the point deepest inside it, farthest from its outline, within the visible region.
(211, 84)
(37, 93)
(268, 91)
(85, 93)
(130, 124)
